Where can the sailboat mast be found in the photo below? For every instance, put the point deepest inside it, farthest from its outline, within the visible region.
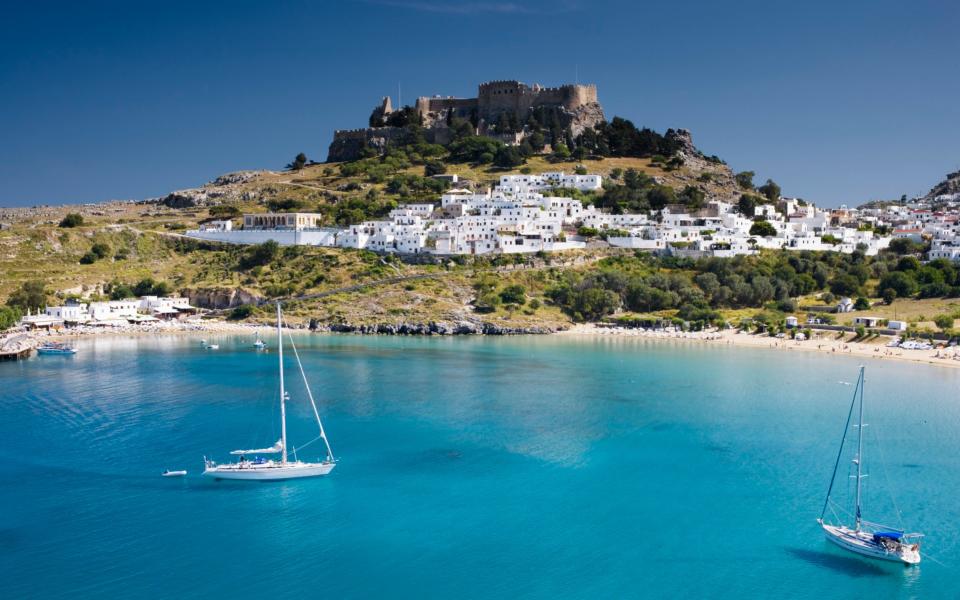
(860, 449)
(283, 394)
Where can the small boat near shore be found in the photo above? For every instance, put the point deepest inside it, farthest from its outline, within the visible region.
(56, 348)
(169, 473)
(213, 346)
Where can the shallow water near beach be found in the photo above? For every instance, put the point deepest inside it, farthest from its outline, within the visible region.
(529, 467)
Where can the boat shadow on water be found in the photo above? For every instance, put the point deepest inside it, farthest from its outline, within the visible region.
(850, 566)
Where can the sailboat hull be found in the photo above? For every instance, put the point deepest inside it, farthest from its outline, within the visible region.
(861, 542)
(271, 471)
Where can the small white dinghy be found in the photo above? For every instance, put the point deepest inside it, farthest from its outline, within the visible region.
(169, 473)
(213, 346)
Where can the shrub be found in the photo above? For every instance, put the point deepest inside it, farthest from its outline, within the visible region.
(72, 220)
(763, 229)
(259, 254)
(514, 294)
(224, 211)
(9, 315)
(434, 167)
(861, 304)
(240, 312)
(587, 231)
(101, 250)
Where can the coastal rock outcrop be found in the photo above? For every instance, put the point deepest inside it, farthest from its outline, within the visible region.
(431, 328)
(218, 298)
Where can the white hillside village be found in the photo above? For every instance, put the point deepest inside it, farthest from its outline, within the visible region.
(522, 215)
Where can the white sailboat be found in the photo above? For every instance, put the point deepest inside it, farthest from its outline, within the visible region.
(261, 469)
(865, 538)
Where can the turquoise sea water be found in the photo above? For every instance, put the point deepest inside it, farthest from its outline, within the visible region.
(525, 467)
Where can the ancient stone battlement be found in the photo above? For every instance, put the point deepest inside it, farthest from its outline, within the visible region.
(578, 103)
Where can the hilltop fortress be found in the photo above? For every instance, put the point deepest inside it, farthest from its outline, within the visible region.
(575, 107)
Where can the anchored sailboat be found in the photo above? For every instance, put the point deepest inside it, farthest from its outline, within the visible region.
(868, 539)
(261, 469)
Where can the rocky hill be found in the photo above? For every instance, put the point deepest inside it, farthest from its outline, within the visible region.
(947, 187)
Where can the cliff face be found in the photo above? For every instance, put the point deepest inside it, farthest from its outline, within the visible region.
(216, 298)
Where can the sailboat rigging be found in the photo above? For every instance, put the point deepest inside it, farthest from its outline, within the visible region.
(261, 469)
(865, 538)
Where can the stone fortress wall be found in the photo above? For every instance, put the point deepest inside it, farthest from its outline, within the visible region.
(579, 102)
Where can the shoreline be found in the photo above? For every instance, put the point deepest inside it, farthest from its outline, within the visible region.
(822, 342)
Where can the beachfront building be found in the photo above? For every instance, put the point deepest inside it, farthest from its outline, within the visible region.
(115, 312)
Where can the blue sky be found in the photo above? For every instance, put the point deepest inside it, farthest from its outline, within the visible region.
(839, 102)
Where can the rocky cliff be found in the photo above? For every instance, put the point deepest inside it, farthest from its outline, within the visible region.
(947, 187)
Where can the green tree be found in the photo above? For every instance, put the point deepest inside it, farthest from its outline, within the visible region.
(771, 190)
(9, 316)
(844, 285)
(299, 162)
(434, 167)
(72, 220)
(594, 303)
(259, 254)
(763, 229)
(561, 152)
(861, 304)
(747, 205)
(745, 179)
(903, 284)
(902, 246)
(508, 157)
(944, 322)
(224, 211)
(889, 295)
(100, 249)
(31, 295)
(514, 294)
(240, 312)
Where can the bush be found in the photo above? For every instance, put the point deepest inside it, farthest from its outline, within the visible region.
(101, 250)
(763, 229)
(944, 322)
(240, 312)
(486, 303)
(434, 167)
(224, 211)
(889, 295)
(9, 316)
(514, 294)
(72, 220)
(88, 259)
(585, 231)
(284, 204)
(31, 295)
(259, 254)
(861, 304)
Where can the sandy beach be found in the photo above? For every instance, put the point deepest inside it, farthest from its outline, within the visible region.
(822, 341)
(825, 342)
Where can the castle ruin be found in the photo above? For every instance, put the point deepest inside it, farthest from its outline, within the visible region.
(577, 106)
